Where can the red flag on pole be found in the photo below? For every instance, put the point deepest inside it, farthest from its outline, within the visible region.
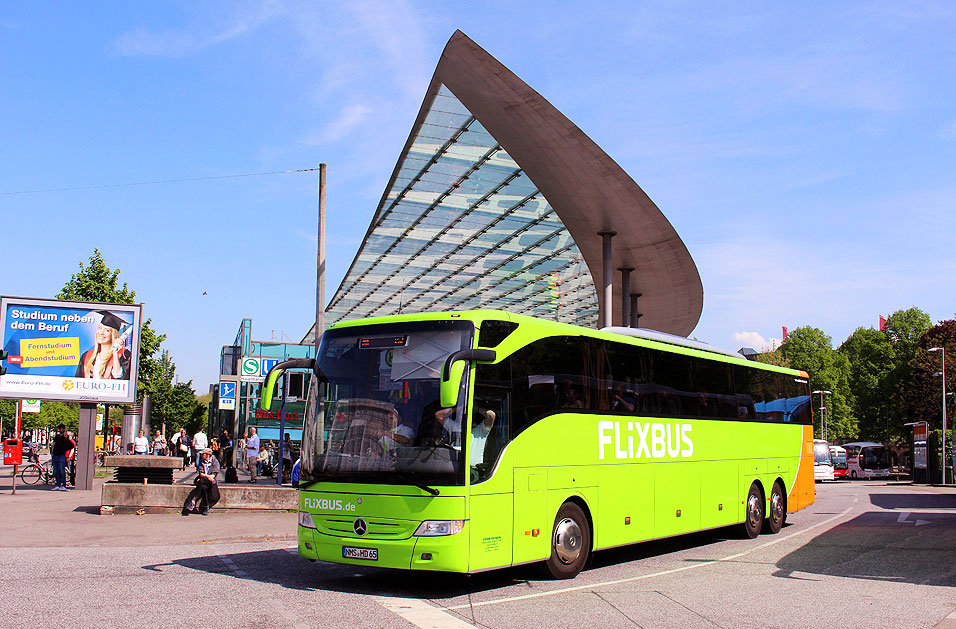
(784, 333)
(882, 323)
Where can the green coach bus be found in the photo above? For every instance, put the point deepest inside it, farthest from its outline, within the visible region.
(468, 441)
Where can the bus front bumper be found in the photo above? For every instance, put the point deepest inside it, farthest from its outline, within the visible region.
(445, 553)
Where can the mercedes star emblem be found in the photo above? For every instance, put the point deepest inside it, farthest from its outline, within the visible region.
(360, 527)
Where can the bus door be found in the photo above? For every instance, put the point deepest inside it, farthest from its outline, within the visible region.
(532, 530)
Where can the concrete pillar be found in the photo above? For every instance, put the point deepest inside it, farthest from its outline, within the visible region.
(85, 441)
(635, 314)
(607, 281)
(625, 295)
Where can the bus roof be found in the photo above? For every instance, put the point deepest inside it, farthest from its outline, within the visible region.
(635, 336)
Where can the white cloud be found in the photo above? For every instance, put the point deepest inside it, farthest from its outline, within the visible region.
(350, 117)
(194, 38)
(397, 32)
(755, 341)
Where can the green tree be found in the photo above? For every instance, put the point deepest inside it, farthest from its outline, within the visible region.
(52, 414)
(773, 358)
(97, 282)
(905, 330)
(186, 411)
(923, 397)
(872, 362)
(8, 414)
(174, 404)
(161, 395)
(811, 350)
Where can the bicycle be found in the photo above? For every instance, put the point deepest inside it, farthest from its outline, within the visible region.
(101, 455)
(34, 471)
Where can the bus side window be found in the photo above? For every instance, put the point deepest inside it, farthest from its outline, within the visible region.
(490, 434)
(625, 377)
(743, 388)
(674, 373)
(546, 374)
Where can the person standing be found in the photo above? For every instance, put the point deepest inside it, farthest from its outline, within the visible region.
(183, 443)
(71, 459)
(61, 445)
(252, 452)
(159, 444)
(225, 446)
(286, 457)
(141, 443)
(200, 443)
(206, 493)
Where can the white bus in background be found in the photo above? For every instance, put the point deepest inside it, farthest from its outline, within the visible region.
(822, 464)
(865, 459)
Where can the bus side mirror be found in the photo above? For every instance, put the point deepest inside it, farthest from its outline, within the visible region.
(450, 387)
(453, 371)
(265, 394)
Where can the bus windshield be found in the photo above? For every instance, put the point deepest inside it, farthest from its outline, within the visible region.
(821, 453)
(839, 459)
(381, 421)
(874, 458)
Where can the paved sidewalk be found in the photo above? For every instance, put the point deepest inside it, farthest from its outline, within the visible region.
(37, 516)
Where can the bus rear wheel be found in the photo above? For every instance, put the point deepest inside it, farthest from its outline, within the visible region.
(778, 510)
(753, 518)
(570, 542)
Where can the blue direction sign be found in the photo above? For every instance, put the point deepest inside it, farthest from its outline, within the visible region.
(227, 389)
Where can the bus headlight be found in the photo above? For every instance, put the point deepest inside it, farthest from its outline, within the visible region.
(434, 528)
(305, 519)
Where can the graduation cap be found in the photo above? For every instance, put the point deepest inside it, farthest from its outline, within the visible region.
(110, 320)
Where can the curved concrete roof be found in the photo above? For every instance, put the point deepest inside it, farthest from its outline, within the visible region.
(497, 201)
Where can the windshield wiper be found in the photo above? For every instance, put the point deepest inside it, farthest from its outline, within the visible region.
(420, 485)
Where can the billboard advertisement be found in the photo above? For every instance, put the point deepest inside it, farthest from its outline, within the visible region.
(68, 350)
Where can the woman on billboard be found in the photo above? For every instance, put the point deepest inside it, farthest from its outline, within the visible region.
(109, 358)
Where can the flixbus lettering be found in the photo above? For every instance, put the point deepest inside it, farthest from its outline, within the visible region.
(328, 504)
(640, 440)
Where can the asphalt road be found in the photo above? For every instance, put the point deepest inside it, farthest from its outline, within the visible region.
(864, 555)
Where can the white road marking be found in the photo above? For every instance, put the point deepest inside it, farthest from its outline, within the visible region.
(421, 614)
(592, 586)
(902, 519)
(280, 610)
(233, 568)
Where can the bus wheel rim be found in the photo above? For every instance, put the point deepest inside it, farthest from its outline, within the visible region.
(776, 507)
(753, 510)
(568, 541)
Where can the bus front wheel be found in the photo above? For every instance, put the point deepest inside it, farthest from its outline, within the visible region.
(570, 542)
(753, 518)
(778, 510)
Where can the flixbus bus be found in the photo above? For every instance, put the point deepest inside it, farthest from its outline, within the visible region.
(469, 441)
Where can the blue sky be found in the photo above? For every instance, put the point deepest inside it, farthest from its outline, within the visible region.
(804, 152)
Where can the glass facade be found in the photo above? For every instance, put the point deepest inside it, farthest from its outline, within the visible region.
(463, 227)
(247, 412)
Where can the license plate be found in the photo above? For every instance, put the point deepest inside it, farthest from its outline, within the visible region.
(349, 552)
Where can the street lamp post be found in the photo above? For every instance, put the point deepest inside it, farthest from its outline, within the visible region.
(942, 352)
(823, 429)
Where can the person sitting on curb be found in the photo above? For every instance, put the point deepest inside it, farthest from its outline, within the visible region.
(206, 493)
